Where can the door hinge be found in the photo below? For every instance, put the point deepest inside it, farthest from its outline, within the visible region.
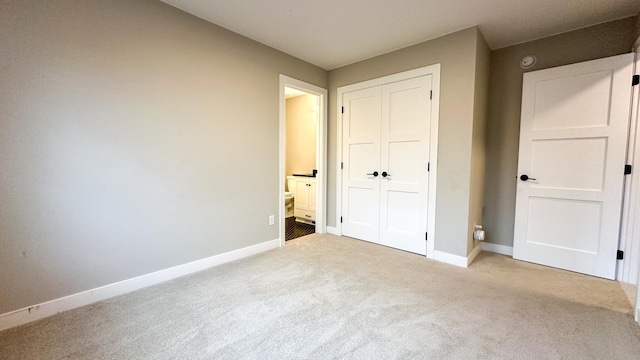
(430, 94)
(426, 236)
(428, 166)
(342, 110)
(340, 219)
(341, 165)
(627, 169)
(635, 80)
(620, 255)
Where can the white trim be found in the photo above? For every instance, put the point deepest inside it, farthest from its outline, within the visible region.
(497, 248)
(627, 270)
(450, 258)
(321, 152)
(472, 256)
(633, 257)
(339, 163)
(456, 260)
(434, 71)
(433, 158)
(42, 310)
(333, 230)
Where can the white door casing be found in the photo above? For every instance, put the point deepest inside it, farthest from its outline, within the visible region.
(321, 152)
(386, 156)
(633, 228)
(628, 268)
(573, 134)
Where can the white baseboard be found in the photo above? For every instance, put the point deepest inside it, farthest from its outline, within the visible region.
(39, 311)
(473, 254)
(332, 230)
(456, 260)
(497, 248)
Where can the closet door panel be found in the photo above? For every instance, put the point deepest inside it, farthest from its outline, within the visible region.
(406, 110)
(361, 158)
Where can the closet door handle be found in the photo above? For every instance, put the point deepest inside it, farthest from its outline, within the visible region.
(375, 173)
(385, 174)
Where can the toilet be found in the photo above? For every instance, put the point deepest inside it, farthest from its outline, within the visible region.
(289, 196)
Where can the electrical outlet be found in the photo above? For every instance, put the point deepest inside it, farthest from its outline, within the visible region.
(272, 220)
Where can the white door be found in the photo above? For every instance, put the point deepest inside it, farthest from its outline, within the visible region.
(312, 195)
(573, 135)
(301, 200)
(385, 156)
(406, 118)
(361, 160)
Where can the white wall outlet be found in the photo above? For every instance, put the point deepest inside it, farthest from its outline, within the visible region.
(272, 220)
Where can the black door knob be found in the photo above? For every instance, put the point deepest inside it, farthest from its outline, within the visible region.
(526, 177)
(385, 174)
(375, 173)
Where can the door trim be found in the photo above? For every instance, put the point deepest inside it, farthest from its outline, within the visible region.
(628, 268)
(321, 152)
(434, 71)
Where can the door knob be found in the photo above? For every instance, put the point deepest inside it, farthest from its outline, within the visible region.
(526, 177)
(385, 174)
(375, 173)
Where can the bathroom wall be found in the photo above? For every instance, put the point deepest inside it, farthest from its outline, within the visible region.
(133, 137)
(505, 98)
(302, 120)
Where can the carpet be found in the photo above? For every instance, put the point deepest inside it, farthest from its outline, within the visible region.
(329, 297)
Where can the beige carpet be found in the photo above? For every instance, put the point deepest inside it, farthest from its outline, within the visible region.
(323, 297)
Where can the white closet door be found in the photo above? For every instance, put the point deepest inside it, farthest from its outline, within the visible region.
(361, 158)
(385, 179)
(406, 111)
(573, 136)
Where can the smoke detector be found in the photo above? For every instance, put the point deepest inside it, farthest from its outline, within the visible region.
(527, 62)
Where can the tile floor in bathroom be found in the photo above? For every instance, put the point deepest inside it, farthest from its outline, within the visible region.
(294, 229)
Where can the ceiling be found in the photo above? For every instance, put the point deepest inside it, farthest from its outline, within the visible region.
(333, 33)
(291, 92)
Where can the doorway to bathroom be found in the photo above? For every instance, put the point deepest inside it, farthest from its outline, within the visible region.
(302, 158)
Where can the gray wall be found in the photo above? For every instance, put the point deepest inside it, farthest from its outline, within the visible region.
(457, 54)
(636, 33)
(133, 137)
(478, 153)
(503, 127)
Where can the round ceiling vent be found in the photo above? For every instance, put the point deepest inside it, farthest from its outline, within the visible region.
(527, 62)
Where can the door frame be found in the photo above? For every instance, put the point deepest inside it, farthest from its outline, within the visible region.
(628, 270)
(434, 71)
(321, 152)
(630, 232)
